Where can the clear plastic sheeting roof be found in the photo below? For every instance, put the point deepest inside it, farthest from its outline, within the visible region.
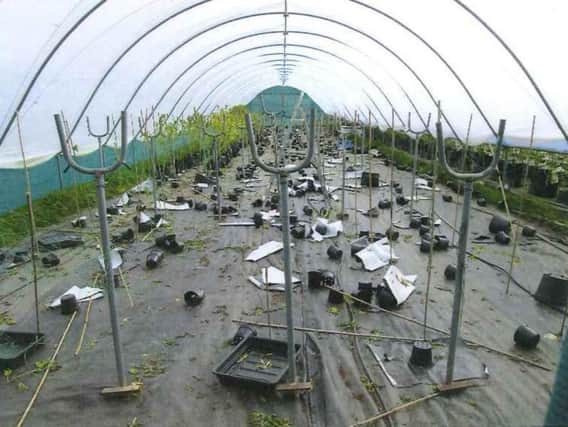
(492, 60)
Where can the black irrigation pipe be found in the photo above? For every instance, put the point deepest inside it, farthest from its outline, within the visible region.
(515, 281)
(359, 360)
(3, 297)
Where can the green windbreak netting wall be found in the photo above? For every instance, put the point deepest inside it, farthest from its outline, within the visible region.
(283, 98)
(51, 175)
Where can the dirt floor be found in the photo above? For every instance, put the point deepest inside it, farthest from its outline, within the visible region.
(173, 349)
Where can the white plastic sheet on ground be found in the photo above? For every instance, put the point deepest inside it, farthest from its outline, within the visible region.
(81, 294)
(271, 278)
(265, 250)
(400, 285)
(165, 206)
(376, 255)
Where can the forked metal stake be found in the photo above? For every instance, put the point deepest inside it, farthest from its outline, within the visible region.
(100, 137)
(468, 179)
(283, 174)
(215, 136)
(99, 174)
(142, 122)
(417, 135)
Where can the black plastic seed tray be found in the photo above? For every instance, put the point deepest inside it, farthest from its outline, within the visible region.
(15, 347)
(255, 361)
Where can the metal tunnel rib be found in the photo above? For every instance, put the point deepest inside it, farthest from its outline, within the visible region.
(46, 61)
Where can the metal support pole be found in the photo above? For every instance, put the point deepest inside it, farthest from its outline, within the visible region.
(105, 243)
(462, 245)
(343, 180)
(371, 234)
(215, 136)
(217, 177)
(417, 135)
(59, 173)
(283, 174)
(105, 239)
(460, 276)
(414, 194)
(285, 218)
(154, 175)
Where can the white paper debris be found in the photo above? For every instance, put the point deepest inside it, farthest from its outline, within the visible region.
(271, 279)
(265, 250)
(399, 284)
(165, 206)
(268, 216)
(143, 187)
(122, 200)
(376, 255)
(335, 161)
(81, 294)
(143, 218)
(353, 174)
(260, 285)
(115, 260)
(421, 182)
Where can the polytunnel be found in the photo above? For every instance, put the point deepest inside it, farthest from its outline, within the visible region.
(309, 213)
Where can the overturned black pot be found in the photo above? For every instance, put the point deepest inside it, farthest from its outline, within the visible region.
(50, 260)
(258, 221)
(335, 297)
(503, 238)
(421, 354)
(392, 234)
(529, 231)
(68, 304)
(401, 200)
(314, 279)
(526, 337)
(552, 290)
(358, 245)
(450, 272)
(498, 223)
(365, 295)
(327, 278)
(193, 298)
(333, 252)
(321, 229)
(414, 223)
(385, 298)
(243, 333)
(154, 259)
